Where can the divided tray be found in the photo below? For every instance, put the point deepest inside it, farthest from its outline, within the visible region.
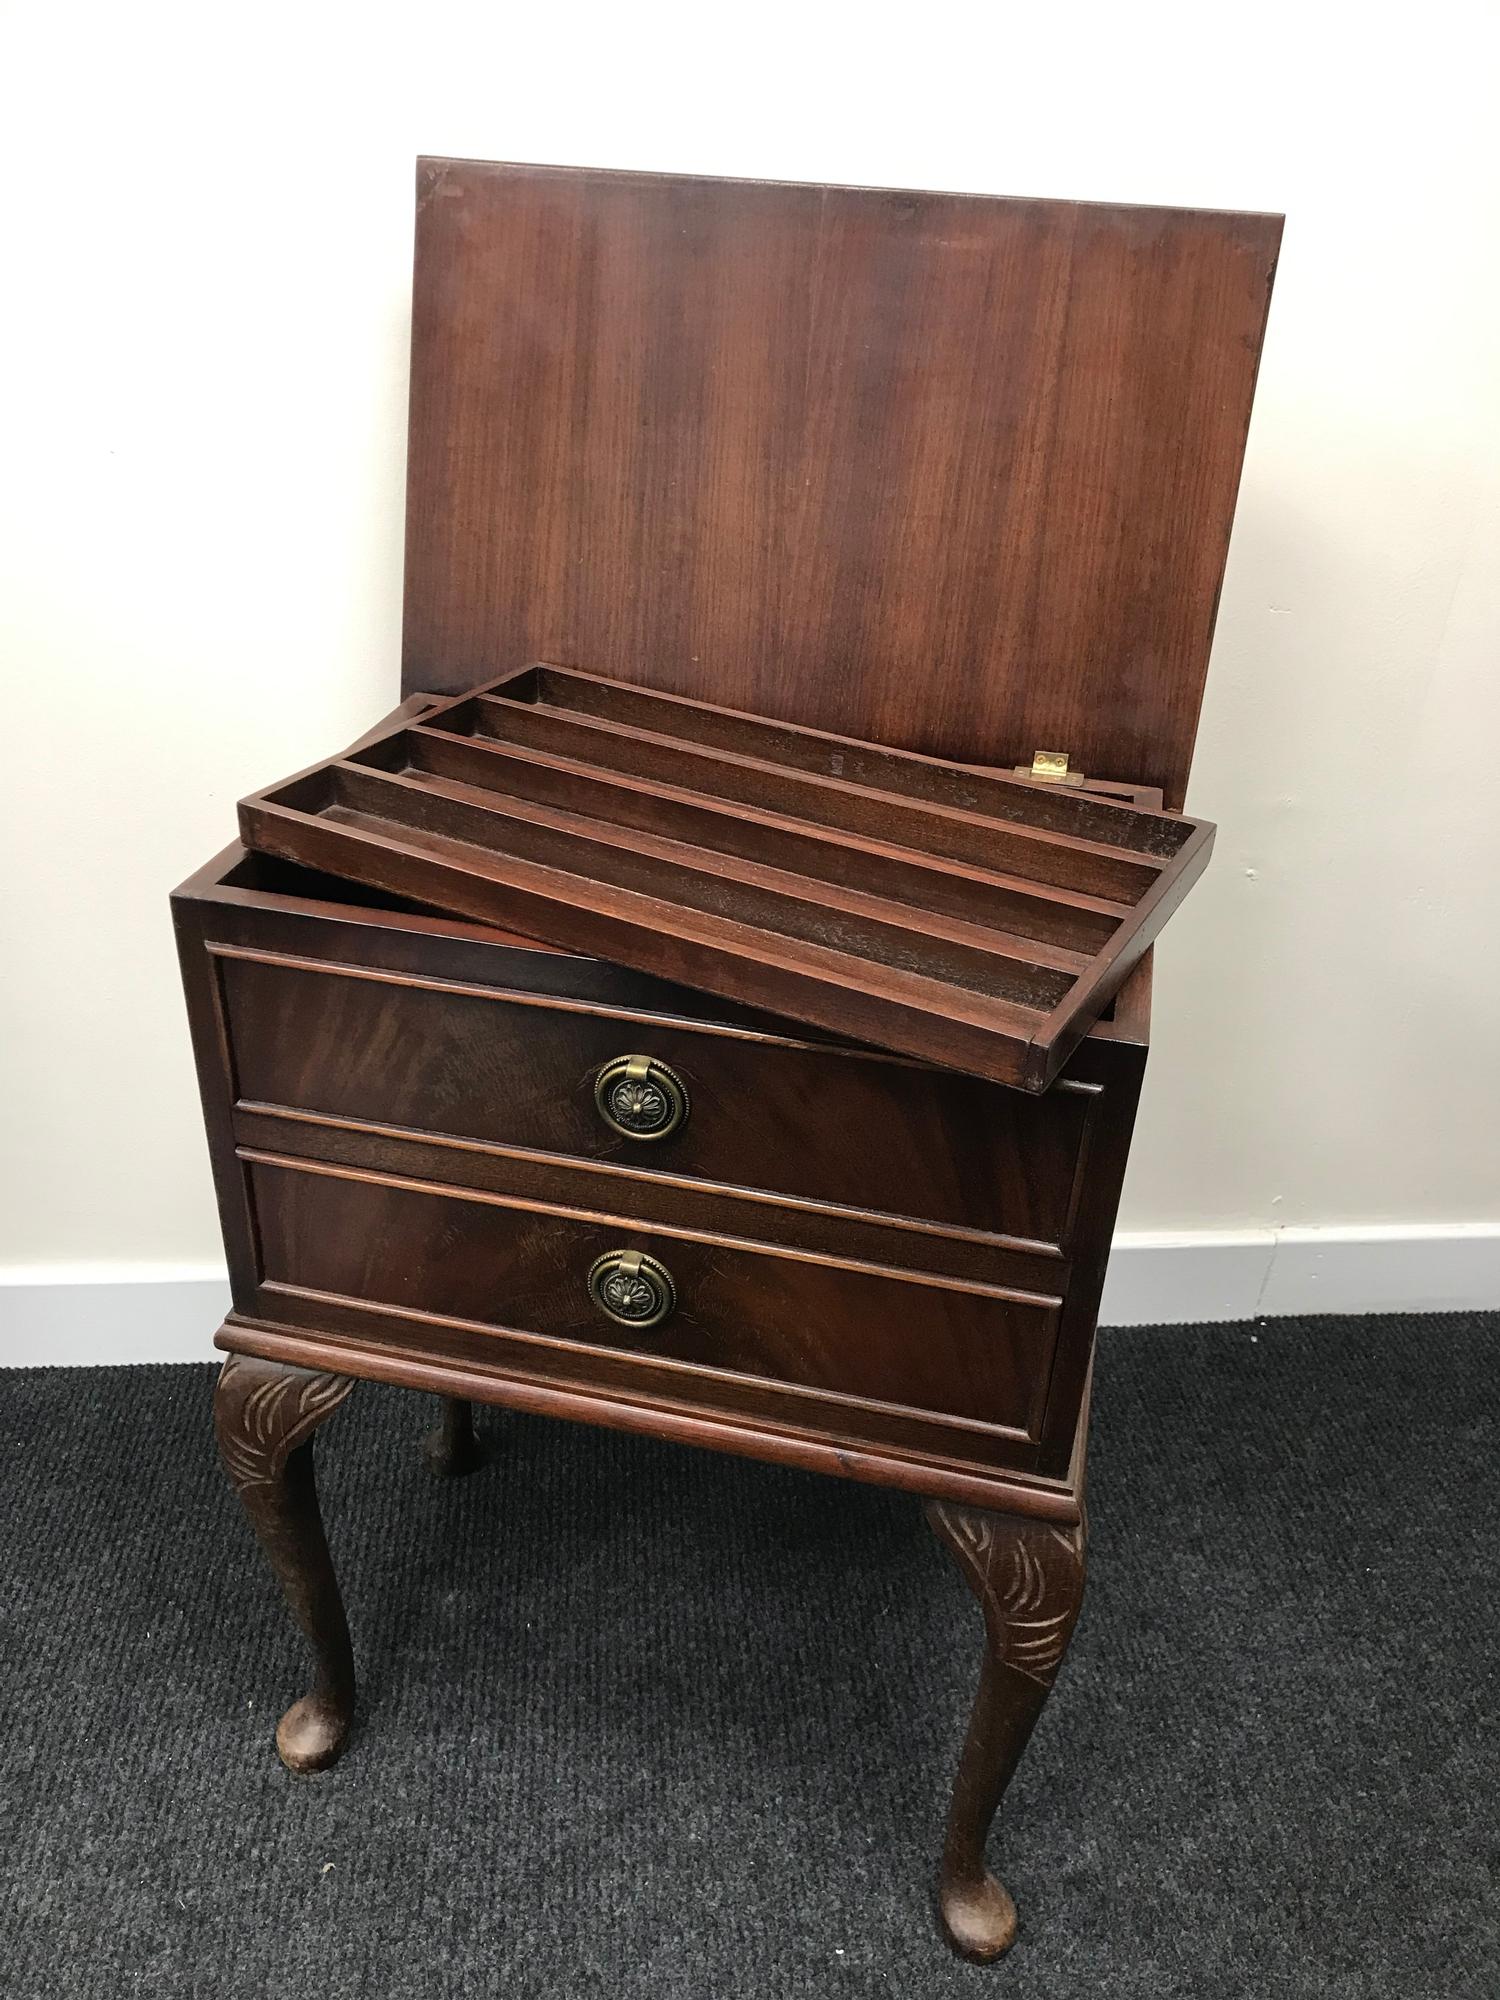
(957, 915)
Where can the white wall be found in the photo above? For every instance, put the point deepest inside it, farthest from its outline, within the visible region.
(207, 242)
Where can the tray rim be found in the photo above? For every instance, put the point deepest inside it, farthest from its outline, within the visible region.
(1031, 1044)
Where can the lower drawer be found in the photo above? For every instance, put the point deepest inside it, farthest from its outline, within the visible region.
(860, 1331)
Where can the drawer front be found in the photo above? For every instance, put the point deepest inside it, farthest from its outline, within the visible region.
(788, 1116)
(333, 1233)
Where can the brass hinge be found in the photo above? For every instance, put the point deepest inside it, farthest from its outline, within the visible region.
(1052, 767)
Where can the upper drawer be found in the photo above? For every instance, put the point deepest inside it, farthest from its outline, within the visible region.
(778, 1113)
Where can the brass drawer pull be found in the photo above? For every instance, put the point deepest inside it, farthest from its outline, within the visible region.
(631, 1287)
(640, 1098)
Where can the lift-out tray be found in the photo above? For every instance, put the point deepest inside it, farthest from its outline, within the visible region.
(957, 915)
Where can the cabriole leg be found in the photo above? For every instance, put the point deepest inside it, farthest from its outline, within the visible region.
(1028, 1577)
(452, 1448)
(265, 1414)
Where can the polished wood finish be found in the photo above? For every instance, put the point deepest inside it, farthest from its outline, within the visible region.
(1028, 1578)
(782, 482)
(485, 1062)
(377, 1086)
(265, 1415)
(967, 917)
(823, 1325)
(393, 1198)
(940, 471)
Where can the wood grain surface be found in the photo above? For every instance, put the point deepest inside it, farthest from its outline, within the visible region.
(943, 471)
(883, 1269)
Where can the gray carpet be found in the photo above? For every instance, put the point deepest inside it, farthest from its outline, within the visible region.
(643, 1720)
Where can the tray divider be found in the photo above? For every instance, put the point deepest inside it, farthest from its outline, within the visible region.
(1069, 921)
(1061, 860)
(983, 943)
(921, 779)
(988, 962)
(827, 987)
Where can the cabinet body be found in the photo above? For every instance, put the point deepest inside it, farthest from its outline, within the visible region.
(942, 473)
(882, 1269)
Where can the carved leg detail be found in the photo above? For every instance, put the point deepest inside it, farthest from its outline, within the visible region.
(264, 1415)
(1028, 1577)
(452, 1448)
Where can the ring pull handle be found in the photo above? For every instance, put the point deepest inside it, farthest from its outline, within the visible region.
(640, 1098)
(631, 1288)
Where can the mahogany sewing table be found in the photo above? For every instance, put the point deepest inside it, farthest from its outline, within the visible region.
(948, 473)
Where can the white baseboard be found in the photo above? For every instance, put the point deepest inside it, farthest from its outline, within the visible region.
(83, 1314)
(1172, 1280)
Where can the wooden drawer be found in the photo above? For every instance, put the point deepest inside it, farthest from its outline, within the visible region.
(770, 1111)
(859, 1331)
(883, 1269)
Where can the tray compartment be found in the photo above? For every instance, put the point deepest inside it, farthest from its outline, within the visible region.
(924, 906)
(930, 883)
(823, 755)
(964, 954)
(835, 806)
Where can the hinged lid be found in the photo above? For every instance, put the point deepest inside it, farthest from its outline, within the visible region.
(939, 471)
(972, 918)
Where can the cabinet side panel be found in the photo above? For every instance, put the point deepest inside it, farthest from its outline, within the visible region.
(1117, 1068)
(197, 925)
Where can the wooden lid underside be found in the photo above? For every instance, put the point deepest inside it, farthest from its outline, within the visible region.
(944, 472)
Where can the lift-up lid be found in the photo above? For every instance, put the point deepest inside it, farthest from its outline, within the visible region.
(941, 471)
